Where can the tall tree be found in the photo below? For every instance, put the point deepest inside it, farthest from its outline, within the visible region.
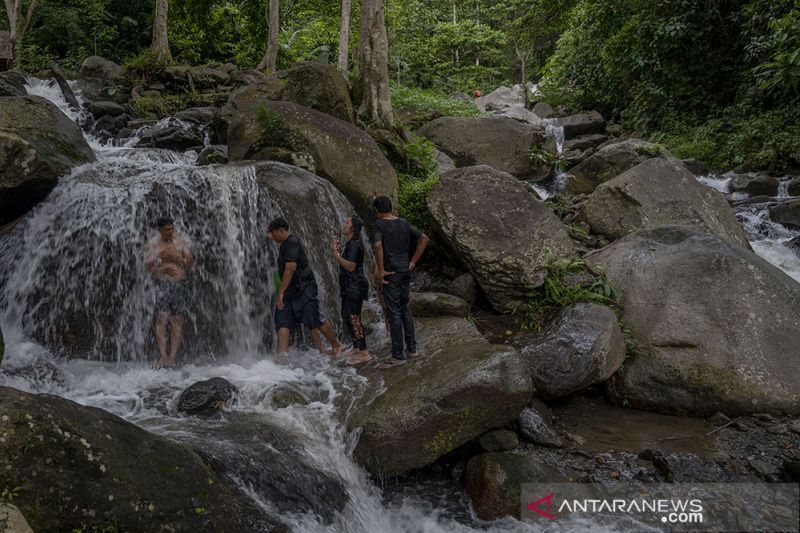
(18, 24)
(344, 38)
(373, 65)
(160, 31)
(270, 60)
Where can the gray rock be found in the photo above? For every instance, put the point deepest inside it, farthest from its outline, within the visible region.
(99, 76)
(716, 325)
(498, 440)
(582, 124)
(786, 213)
(534, 428)
(794, 426)
(198, 115)
(213, 155)
(465, 287)
(207, 397)
(793, 187)
(39, 373)
(170, 138)
(460, 388)
(12, 84)
(427, 304)
(609, 162)
(763, 468)
(585, 142)
(499, 142)
(38, 144)
(582, 347)
(689, 468)
(343, 154)
(444, 163)
(500, 98)
(105, 108)
(319, 86)
(84, 468)
(521, 114)
(12, 520)
(660, 192)
(494, 482)
(501, 232)
(544, 110)
(245, 101)
(288, 394)
(755, 184)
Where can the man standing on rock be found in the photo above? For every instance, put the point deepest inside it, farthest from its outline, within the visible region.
(392, 243)
(168, 258)
(297, 302)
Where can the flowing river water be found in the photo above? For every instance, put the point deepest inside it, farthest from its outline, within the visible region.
(74, 264)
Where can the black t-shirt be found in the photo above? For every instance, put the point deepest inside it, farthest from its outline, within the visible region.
(303, 281)
(397, 237)
(353, 284)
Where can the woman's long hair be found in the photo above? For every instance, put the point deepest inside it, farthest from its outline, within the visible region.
(358, 225)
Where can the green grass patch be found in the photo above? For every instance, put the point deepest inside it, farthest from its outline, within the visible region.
(430, 102)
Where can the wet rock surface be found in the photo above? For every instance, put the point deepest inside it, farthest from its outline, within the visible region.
(81, 467)
(207, 397)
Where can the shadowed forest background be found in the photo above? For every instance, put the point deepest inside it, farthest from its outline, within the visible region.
(712, 80)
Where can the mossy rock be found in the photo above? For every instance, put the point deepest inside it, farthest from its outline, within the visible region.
(460, 387)
(81, 467)
(319, 86)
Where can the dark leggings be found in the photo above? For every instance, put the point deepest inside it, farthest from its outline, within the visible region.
(351, 316)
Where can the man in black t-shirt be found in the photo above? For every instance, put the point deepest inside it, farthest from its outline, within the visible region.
(392, 241)
(297, 300)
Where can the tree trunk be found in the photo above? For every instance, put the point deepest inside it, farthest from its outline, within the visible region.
(18, 25)
(161, 31)
(344, 38)
(455, 21)
(373, 66)
(270, 60)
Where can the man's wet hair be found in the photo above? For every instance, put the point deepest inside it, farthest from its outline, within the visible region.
(382, 204)
(164, 221)
(358, 225)
(278, 223)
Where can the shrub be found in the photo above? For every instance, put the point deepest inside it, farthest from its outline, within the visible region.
(430, 102)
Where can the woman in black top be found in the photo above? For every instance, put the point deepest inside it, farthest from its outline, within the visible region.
(353, 287)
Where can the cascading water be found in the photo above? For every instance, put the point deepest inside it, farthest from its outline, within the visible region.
(73, 282)
(769, 239)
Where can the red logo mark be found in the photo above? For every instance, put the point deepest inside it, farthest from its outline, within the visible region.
(535, 506)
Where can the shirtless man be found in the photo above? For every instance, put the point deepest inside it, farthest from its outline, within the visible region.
(167, 258)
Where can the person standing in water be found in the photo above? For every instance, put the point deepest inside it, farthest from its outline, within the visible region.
(297, 301)
(396, 257)
(353, 288)
(168, 258)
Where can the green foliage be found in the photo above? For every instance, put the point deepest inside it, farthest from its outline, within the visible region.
(8, 495)
(145, 66)
(430, 102)
(413, 197)
(274, 131)
(547, 158)
(558, 292)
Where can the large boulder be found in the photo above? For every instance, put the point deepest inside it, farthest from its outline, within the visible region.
(460, 388)
(38, 144)
(501, 98)
(755, 184)
(249, 449)
(582, 124)
(494, 482)
(83, 468)
(342, 153)
(499, 142)
(582, 347)
(12, 84)
(608, 162)
(786, 213)
(12, 520)
(319, 86)
(660, 192)
(174, 138)
(245, 101)
(503, 234)
(716, 326)
(99, 77)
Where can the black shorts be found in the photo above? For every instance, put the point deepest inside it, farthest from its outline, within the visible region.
(294, 313)
(171, 297)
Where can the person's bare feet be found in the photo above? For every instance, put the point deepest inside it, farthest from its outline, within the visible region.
(336, 350)
(359, 357)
